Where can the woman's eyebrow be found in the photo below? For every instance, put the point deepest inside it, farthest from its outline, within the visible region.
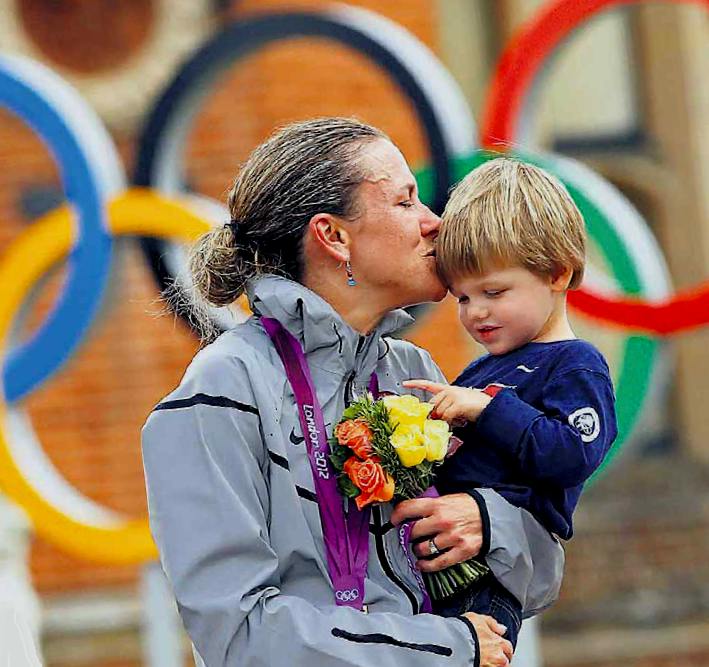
(409, 187)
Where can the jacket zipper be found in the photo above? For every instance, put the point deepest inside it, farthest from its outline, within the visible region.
(360, 343)
(386, 565)
(349, 394)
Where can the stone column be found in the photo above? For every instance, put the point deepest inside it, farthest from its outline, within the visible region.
(674, 54)
(20, 614)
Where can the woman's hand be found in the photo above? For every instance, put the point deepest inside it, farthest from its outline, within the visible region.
(451, 403)
(453, 521)
(495, 651)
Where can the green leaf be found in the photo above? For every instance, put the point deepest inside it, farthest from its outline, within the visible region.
(352, 412)
(347, 488)
(338, 456)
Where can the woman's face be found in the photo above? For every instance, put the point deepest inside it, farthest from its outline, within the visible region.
(392, 250)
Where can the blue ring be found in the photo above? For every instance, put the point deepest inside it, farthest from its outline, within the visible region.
(237, 41)
(35, 360)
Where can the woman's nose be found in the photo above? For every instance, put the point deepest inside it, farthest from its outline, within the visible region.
(430, 222)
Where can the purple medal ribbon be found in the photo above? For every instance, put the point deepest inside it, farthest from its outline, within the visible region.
(346, 535)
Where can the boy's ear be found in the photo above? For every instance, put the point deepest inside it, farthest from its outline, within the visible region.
(330, 236)
(561, 278)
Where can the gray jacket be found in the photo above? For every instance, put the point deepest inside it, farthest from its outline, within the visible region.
(234, 515)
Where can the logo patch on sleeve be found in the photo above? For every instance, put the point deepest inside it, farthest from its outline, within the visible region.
(494, 388)
(586, 422)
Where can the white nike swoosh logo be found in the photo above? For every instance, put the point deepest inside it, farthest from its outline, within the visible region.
(522, 367)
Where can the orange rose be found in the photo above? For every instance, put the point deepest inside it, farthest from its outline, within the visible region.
(376, 485)
(355, 434)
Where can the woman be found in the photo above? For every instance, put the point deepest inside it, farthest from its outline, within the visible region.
(328, 238)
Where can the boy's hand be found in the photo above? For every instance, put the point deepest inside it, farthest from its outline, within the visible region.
(452, 403)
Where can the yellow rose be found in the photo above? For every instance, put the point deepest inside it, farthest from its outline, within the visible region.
(436, 435)
(407, 440)
(407, 410)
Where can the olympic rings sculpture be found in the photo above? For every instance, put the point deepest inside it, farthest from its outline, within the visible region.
(59, 512)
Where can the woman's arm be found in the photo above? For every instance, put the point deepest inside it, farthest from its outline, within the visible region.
(205, 467)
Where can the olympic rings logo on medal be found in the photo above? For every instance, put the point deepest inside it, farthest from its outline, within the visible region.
(348, 595)
(158, 210)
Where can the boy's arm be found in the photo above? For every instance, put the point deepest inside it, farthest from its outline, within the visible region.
(567, 442)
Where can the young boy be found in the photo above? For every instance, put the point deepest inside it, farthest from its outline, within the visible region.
(539, 407)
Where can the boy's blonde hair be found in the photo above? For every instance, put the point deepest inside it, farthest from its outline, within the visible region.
(508, 212)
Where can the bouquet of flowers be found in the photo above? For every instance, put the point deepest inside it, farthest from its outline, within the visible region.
(389, 449)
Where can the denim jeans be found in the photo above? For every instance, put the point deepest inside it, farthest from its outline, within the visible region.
(489, 597)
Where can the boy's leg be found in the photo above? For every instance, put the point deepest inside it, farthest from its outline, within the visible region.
(486, 596)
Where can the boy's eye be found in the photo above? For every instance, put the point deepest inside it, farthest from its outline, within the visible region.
(406, 204)
(492, 293)
(462, 299)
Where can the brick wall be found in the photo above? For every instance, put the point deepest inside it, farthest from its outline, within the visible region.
(636, 587)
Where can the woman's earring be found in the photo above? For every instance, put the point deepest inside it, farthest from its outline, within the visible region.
(351, 282)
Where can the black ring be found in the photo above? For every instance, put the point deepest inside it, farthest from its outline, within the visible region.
(237, 41)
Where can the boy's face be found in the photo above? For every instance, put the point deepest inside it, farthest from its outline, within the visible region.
(507, 307)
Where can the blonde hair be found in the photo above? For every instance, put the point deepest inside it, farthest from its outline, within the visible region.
(508, 212)
(304, 168)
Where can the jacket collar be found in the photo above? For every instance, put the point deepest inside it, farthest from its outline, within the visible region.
(327, 339)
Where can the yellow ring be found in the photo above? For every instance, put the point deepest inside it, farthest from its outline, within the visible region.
(36, 250)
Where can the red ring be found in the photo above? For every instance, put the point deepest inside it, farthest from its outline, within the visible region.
(514, 75)
(685, 310)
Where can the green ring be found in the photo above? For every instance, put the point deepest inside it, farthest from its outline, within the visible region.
(639, 353)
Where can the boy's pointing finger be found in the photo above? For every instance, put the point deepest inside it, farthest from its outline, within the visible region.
(426, 385)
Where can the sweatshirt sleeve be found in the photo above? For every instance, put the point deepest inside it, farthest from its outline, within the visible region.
(208, 498)
(522, 554)
(564, 444)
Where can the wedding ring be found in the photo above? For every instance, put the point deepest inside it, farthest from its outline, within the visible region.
(433, 549)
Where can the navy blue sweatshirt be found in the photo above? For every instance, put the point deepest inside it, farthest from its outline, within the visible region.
(548, 427)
